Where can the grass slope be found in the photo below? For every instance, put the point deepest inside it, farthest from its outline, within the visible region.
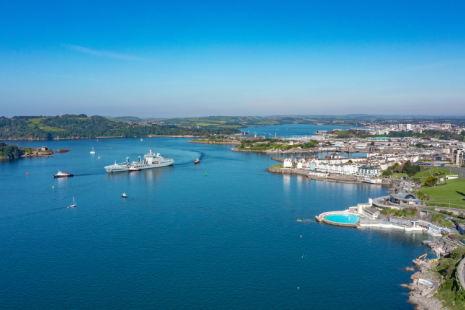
(423, 175)
(454, 190)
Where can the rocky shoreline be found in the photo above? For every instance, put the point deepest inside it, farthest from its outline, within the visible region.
(423, 287)
(61, 151)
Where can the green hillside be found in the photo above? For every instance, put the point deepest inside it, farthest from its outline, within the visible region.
(82, 126)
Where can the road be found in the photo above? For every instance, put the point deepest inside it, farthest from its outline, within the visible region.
(461, 273)
(459, 170)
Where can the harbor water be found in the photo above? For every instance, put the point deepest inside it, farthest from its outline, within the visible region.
(221, 234)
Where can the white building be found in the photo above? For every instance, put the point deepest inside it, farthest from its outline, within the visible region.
(287, 163)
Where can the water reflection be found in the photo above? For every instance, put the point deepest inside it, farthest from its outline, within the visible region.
(287, 182)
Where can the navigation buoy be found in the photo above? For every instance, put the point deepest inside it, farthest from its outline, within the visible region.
(297, 287)
(27, 173)
(205, 174)
(300, 236)
(53, 187)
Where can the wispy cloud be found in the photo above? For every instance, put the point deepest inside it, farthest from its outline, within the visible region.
(104, 53)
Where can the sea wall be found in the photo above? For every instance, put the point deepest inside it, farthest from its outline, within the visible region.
(322, 218)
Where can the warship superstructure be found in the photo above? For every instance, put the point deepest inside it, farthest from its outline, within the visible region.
(151, 160)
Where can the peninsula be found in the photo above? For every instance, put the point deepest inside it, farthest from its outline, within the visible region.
(8, 152)
(87, 127)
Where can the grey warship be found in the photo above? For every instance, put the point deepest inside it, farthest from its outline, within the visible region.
(151, 160)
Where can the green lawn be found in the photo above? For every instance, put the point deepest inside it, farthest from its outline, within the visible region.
(398, 175)
(423, 175)
(454, 189)
(456, 204)
(36, 121)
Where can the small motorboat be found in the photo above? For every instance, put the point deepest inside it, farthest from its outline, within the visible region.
(73, 205)
(196, 161)
(141, 139)
(124, 195)
(133, 169)
(63, 175)
(93, 151)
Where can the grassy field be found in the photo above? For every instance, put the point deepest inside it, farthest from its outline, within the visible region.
(454, 190)
(228, 126)
(206, 124)
(423, 175)
(398, 175)
(37, 121)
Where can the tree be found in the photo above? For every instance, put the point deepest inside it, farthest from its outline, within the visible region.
(431, 181)
(410, 169)
(372, 143)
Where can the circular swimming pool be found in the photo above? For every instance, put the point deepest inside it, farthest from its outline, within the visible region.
(343, 218)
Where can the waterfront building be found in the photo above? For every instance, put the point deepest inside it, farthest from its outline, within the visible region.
(404, 198)
(287, 163)
(368, 171)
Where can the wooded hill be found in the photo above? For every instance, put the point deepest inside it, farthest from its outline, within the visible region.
(82, 126)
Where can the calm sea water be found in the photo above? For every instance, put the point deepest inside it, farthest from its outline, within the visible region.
(220, 235)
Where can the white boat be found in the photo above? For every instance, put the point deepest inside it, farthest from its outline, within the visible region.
(124, 195)
(61, 174)
(141, 139)
(73, 205)
(93, 151)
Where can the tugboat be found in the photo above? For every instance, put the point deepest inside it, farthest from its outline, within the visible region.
(124, 195)
(196, 161)
(63, 175)
(73, 205)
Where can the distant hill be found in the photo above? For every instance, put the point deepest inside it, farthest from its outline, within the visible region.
(352, 120)
(82, 127)
(124, 119)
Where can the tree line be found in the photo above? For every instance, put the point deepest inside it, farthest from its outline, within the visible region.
(82, 126)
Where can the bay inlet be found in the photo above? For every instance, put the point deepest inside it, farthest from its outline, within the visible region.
(221, 234)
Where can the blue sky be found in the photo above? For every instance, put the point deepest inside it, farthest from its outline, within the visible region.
(179, 59)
